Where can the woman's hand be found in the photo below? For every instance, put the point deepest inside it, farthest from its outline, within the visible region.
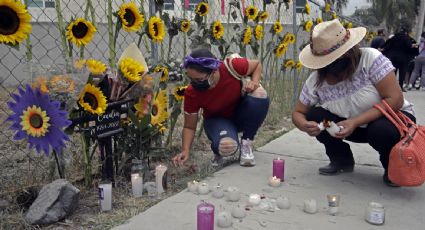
(311, 127)
(180, 159)
(349, 126)
(251, 86)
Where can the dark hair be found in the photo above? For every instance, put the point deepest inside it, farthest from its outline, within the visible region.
(197, 54)
(423, 34)
(353, 55)
(381, 32)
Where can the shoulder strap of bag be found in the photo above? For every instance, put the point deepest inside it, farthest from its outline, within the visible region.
(229, 65)
(393, 117)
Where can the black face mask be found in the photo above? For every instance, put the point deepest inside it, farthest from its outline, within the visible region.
(338, 66)
(200, 85)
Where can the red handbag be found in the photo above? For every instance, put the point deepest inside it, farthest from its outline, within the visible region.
(407, 158)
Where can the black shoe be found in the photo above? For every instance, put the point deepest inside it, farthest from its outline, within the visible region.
(335, 168)
(388, 182)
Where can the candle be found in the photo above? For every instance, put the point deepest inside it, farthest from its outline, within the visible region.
(274, 181)
(375, 213)
(310, 206)
(137, 184)
(333, 203)
(218, 191)
(205, 216)
(283, 202)
(279, 168)
(233, 194)
(224, 219)
(203, 189)
(159, 176)
(192, 186)
(254, 199)
(105, 196)
(238, 212)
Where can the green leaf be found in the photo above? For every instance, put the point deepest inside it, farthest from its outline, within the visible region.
(16, 46)
(134, 119)
(166, 18)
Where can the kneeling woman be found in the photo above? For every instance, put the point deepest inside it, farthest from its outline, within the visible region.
(218, 93)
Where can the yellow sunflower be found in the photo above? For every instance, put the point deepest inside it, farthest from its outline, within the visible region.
(164, 73)
(299, 66)
(96, 67)
(263, 16)
(349, 25)
(159, 112)
(277, 27)
(247, 36)
(14, 22)
(92, 100)
(162, 128)
(251, 12)
(40, 83)
(80, 32)
(217, 30)
(130, 16)
(334, 16)
(307, 9)
(185, 26)
(281, 49)
(35, 121)
(327, 7)
(307, 25)
(179, 92)
(131, 69)
(289, 64)
(79, 63)
(156, 29)
(319, 20)
(289, 38)
(202, 9)
(259, 32)
(61, 84)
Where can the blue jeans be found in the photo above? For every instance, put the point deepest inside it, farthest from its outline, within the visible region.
(249, 116)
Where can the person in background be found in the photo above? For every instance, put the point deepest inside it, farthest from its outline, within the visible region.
(379, 40)
(419, 69)
(215, 90)
(346, 83)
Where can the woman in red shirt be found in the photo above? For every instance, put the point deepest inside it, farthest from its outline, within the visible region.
(226, 112)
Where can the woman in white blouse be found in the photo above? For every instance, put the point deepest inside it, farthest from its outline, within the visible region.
(347, 82)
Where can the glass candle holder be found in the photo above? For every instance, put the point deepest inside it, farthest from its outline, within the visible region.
(137, 177)
(333, 204)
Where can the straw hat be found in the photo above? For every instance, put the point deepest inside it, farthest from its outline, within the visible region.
(329, 41)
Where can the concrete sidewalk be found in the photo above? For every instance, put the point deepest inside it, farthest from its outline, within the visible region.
(405, 207)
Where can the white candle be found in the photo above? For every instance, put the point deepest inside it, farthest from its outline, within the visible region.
(310, 206)
(274, 181)
(238, 212)
(137, 184)
(192, 186)
(105, 196)
(159, 176)
(333, 203)
(203, 188)
(283, 202)
(233, 194)
(254, 199)
(224, 219)
(218, 191)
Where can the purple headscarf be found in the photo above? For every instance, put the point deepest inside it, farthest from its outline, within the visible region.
(206, 62)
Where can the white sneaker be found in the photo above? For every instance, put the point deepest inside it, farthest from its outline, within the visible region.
(247, 157)
(409, 87)
(422, 89)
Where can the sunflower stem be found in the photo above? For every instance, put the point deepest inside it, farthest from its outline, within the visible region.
(28, 41)
(86, 14)
(170, 40)
(170, 133)
(92, 12)
(87, 159)
(112, 53)
(61, 28)
(58, 164)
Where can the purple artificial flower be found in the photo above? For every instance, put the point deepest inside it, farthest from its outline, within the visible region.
(38, 120)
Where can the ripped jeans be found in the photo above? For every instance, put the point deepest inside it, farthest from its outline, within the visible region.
(223, 132)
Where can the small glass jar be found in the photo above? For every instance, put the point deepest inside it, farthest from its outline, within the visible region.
(137, 177)
(375, 213)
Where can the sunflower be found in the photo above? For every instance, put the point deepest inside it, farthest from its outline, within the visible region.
(334, 16)
(162, 128)
(164, 73)
(92, 100)
(159, 112)
(307, 25)
(307, 9)
(202, 9)
(319, 20)
(299, 66)
(38, 120)
(130, 17)
(179, 92)
(247, 36)
(131, 69)
(281, 49)
(61, 84)
(185, 26)
(217, 30)
(259, 32)
(14, 22)
(156, 29)
(349, 25)
(96, 67)
(142, 105)
(251, 12)
(289, 38)
(263, 16)
(277, 27)
(327, 7)
(41, 84)
(80, 32)
(79, 63)
(289, 64)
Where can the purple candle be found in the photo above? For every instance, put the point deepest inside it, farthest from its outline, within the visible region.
(279, 168)
(205, 213)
